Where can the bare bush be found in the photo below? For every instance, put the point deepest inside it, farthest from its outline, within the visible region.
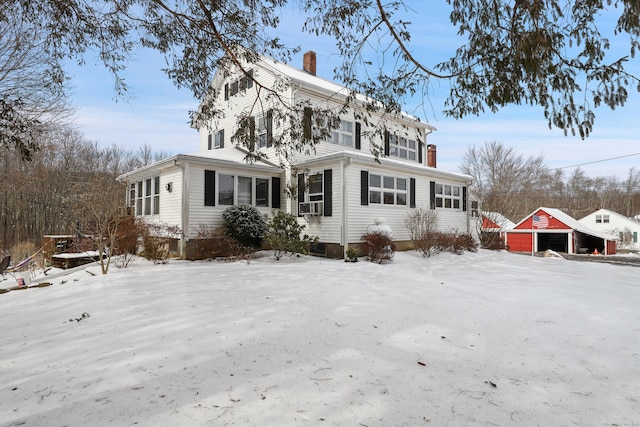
(452, 241)
(379, 247)
(421, 223)
(213, 242)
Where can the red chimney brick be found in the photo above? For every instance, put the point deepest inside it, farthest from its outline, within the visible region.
(309, 62)
(431, 155)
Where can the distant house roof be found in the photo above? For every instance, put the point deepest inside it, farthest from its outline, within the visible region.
(633, 221)
(569, 222)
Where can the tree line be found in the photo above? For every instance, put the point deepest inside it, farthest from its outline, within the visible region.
(514, 185)
(55, 192)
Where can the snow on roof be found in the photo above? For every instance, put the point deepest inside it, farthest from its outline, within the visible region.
(384, 161)
(499, 219)
(308, 79)
(570, 222)
(612, 213)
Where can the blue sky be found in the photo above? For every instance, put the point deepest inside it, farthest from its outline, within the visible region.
(157, 113)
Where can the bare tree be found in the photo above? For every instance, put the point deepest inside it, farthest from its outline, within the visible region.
(505, 181)
(32, 96)
(100, 203)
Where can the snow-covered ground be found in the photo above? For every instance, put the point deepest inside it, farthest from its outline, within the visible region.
(480, 339)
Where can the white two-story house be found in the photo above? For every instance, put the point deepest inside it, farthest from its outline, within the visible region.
(338, 190)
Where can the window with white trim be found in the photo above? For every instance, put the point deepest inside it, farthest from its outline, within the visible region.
(387, 190)
(448, 196)
(242, 190)
(156, 195)
(261, 131)
(602, 219)
(403, 148)
(316, 189)
(144, 196)
(342, 134)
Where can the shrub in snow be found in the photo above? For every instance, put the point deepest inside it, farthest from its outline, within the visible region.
(213, 242)
(378, 246)
(421, 224)
(284, 235)
(245, 224)
(159, 241)
(352, 255)
(451, 241)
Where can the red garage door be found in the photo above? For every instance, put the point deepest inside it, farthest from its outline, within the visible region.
(519, 242)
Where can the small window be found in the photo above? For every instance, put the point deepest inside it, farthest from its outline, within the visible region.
(147, 197)
(156, 195)
(262, 192)
(139, 196)
(598, 219)
(605, 219)
(315, 187)
(225, 190)
(245, 185)
(261, 132)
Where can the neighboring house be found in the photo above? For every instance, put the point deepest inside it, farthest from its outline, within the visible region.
(550, 228)
(338, 192)
(612, 222)
(495, 222)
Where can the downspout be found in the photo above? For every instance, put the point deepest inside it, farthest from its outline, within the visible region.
(345, 207)
(184, 214)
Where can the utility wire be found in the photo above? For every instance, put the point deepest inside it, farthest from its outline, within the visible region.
(597, 161)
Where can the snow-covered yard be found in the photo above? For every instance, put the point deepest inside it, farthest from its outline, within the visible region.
(480, 339)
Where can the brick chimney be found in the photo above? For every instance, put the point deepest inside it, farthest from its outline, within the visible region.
(431, 155)
(309, 62)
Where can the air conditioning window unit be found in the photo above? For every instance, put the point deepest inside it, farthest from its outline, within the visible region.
(310, 208)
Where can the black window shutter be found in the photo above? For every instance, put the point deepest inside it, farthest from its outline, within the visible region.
(300, 191)
(269, 128)
(275, 192)
(306, 124)
(412, 195)
(209, 188)
(364, 188)
(210, 142)
(420, 148)
(252, 133)
(328, 192)
(226, 91)
(386, 143)
(464, 198)
(358, 137)
(221, 138)
(432, 194)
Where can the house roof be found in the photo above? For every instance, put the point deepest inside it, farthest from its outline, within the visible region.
(612, 213)
(386, 162)
(232, 158)
(499, 219)
(570, 222)
(329, 87)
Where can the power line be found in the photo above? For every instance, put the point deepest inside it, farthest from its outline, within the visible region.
(598, 161)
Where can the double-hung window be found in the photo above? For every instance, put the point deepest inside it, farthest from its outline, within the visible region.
(261, 131)
(242, 190)
(315, 187)
(402, 147)
(448, 196)
(387, 190)
(342, 134)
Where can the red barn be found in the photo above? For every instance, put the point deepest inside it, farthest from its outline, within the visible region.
(549, 228)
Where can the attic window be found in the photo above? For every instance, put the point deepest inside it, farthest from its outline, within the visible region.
(239, 85)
